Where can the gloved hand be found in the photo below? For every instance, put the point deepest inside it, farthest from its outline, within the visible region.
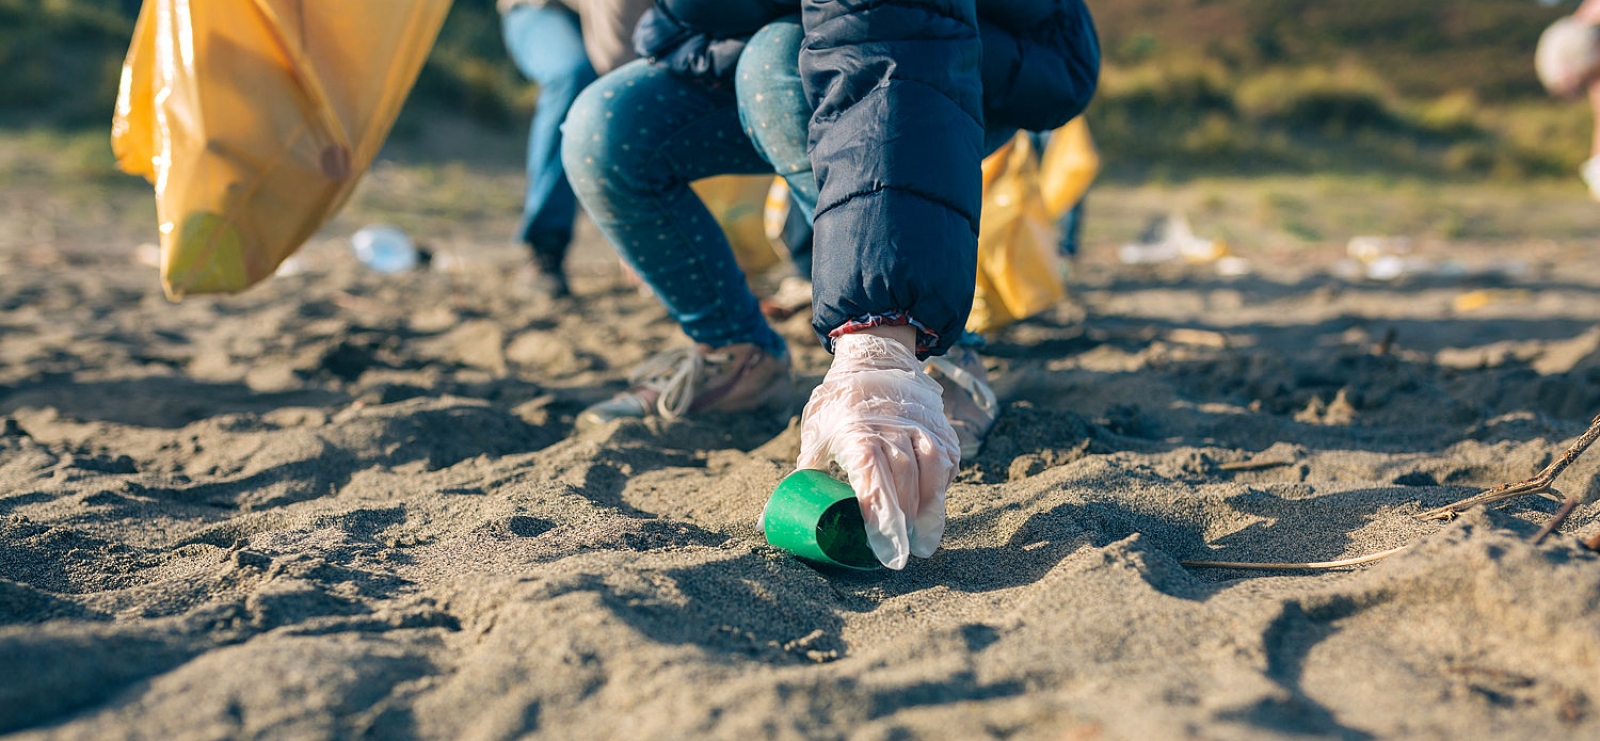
(882, 420)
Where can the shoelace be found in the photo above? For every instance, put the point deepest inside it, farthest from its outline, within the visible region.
(673, 375)
(980, 391)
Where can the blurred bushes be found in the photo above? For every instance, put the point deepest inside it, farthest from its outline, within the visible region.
(1435, 87)
(60, 61)
(1173, 119)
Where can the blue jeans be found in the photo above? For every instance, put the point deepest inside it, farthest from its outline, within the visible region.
(633, 143)
(546, 43)
(638, 137)
(776, 116)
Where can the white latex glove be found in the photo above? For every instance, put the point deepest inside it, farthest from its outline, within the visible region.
(881, 418)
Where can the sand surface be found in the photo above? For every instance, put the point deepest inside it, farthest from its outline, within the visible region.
(350, 505)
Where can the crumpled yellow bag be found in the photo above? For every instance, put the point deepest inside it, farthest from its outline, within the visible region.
(1069, 166)
(254, 119)
(1017, 253)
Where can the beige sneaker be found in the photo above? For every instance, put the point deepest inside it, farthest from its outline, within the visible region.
(969, 403)
(696, 379)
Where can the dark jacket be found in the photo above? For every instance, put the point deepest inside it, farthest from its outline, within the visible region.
(902, 90)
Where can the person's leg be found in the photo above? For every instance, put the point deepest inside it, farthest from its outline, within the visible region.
(634, 142)
(776, 115)
(547, 45)
(773, 108)
(1071, 227)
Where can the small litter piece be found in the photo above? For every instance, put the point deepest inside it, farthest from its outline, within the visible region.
(1233, 266)
(1169, 239)
(1475, 300)
(1370, 248)
(816, 517)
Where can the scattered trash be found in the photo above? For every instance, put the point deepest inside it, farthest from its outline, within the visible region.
(1233, 266)
(1390, 267)
(384, 248)
(1370, 248)
(1389, 258)
(1475, 300)
(816, 517)
(1170, 238)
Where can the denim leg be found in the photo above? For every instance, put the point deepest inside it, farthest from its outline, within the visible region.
(776, 116)
(546, 43)
(634, 142)
(1071, 226)
(774, 113)
(773, 107)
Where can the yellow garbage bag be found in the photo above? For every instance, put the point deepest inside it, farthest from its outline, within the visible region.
(1070, 165)
(254, 119)
(739, 202)
(1017, 255)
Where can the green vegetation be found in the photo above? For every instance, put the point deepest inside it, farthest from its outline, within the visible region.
(62, 60)
(1438, 89)
(1431, 88)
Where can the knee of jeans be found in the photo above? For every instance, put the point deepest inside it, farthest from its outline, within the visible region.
(593, 144)
(767, 85)
(772, 54)
(776, 43)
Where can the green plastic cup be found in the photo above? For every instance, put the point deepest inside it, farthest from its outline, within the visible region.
(815, 516)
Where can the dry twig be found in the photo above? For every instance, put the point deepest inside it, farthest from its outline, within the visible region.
(1538, 484)
(1567, 505)
(1541, 484)
(1252, 465)
(1341, 563)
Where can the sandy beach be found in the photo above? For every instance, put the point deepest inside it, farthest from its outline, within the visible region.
(344, 504)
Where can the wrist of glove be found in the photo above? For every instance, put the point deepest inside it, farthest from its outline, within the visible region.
(881, 419)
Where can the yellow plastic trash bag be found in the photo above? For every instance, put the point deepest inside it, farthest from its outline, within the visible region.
(254, 119)
(1017, 258)
(738, 202)
(1069, 167)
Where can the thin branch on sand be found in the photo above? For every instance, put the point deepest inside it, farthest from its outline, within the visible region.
(1341, 563)
(1538, 484)
(1253, 465)
(1541, 484)
(1567, 505)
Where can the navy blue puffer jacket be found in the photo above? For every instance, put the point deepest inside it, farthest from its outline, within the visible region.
(901, 90)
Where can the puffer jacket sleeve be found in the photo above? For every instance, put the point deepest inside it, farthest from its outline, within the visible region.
(704, 38)
(1041, 62)
(896, 141)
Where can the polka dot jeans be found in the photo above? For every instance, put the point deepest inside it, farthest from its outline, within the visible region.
(632, 143)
